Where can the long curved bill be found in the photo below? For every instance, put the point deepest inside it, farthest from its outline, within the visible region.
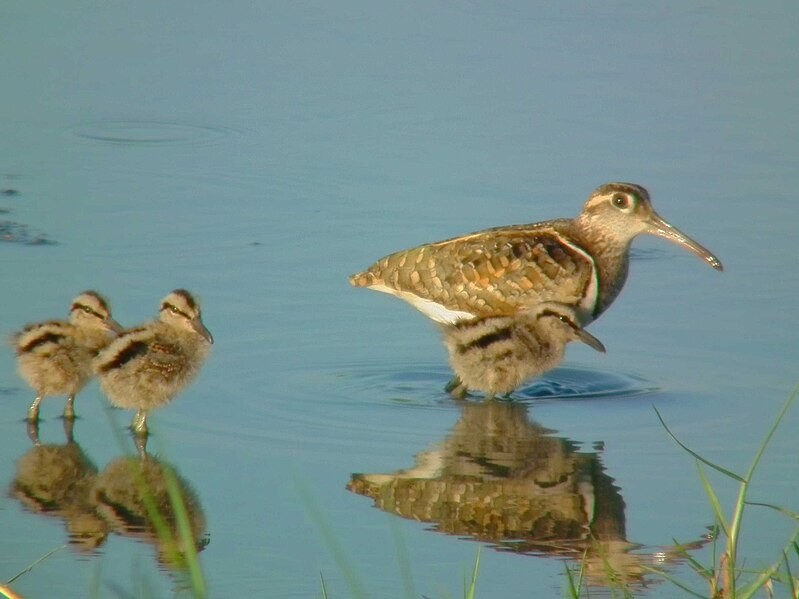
(590, 340)
(663, 229)
(198, 326)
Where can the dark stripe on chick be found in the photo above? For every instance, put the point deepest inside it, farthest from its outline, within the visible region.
(128, 353)
(41, 340)
(486, 340)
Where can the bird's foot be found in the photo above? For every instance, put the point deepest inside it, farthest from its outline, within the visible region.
(33, 410)
(139, 424)
(454, 383)
(456, 388)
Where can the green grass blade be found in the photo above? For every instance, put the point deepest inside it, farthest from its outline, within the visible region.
(9, 593)
(724, 471)
(771, 431)
(692, 562)
(714, 500)
(777, 508)
(574, 591)
(756, 585)
(735, 524)
(324, 588)
(791, 580)
(676, 582)
(329, 538)
(31, 566)
(470, 593)
(725, 572)
(406, 572)
(615, 582)
(185, 534)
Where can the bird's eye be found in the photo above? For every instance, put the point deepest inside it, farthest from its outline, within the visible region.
(563, 319)
(87, 309)
(621, 202)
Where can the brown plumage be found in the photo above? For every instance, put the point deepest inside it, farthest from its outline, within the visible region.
(146, 367)
(56, 480)
(136, 497)
(496, 354)
(582, 262)
(55, 357)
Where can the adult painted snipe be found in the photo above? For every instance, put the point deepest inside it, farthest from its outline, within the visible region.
(582, 262)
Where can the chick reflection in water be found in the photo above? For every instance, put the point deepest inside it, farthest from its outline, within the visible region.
(502, 479)
(129, 497)
(57, 480)
(496, 354)
(133, 495)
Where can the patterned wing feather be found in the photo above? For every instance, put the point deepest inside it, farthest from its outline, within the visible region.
(492, 272)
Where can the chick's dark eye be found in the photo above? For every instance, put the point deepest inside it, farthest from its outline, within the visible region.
(621, 202)
(87, 309)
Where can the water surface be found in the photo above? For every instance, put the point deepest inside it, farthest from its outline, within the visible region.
(259, 154)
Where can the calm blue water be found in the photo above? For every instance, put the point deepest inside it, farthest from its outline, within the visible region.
(257, 154)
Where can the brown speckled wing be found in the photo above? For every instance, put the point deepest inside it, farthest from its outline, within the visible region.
(166, 358)
(496, 271)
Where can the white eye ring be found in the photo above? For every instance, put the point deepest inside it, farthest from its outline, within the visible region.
(622, 202)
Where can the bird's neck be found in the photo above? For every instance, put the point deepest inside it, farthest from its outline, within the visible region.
(92, 338)
(611, 255)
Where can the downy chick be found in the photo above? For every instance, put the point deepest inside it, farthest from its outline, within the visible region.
(55, 357)
(496, 354)
(147, 366)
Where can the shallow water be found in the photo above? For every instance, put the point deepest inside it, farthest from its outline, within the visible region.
(260, 154)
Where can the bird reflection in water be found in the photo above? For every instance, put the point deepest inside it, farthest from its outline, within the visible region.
(504, 480)
(56, 481)
(133, 495)
(130, 497)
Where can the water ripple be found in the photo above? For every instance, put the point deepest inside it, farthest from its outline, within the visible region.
(20, 233)
(150, 133)
(423, 384)
(584, 383)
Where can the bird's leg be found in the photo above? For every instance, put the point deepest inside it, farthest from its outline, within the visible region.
(141, 446)
(452, 384)
(33, 411)
(456, 388)
(69, 408)
(33, 432)
(69, 425)
(139, 424)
